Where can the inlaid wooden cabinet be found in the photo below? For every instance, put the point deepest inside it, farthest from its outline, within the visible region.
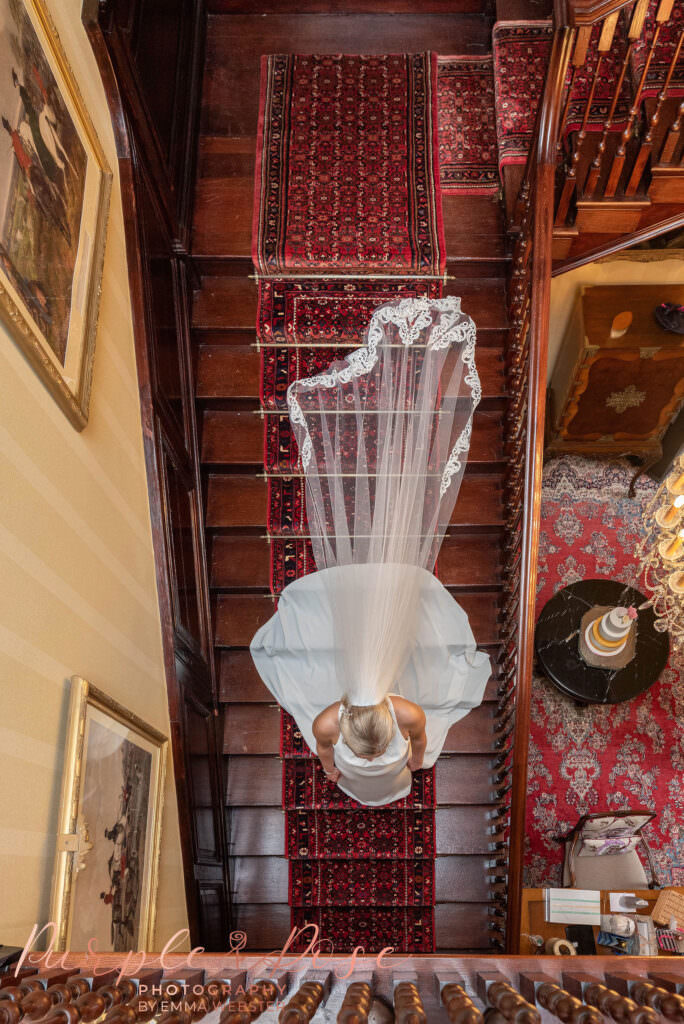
(619, 378)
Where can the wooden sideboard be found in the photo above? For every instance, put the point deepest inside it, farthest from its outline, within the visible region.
(618, 381)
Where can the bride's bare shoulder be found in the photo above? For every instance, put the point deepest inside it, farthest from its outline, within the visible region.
(408, 714)
(326, 724)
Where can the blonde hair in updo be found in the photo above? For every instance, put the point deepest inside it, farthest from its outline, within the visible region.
(367, 729)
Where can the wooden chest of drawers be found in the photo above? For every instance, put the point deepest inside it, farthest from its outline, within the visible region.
(619, 378)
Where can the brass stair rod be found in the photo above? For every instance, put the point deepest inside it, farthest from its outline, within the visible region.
(353, 277)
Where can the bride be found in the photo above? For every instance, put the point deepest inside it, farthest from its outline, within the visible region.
(371, 655)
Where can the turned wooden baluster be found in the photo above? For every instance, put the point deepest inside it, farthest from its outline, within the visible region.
(121, 996)
(356, 1004)
(408, 1006)
(571, 180)
(10, 1013)
(33, 1003)
(647, 993)
(459, 1006)
(620, 1008)
(672, 141)
(635, 29)
(559, 1003)
(579, 56)
(647, 144)
(301, 1007)
(63, 1013)
(115, 995)
(663, 13)
(215, 993)
(511, 1004)
(248, 1008)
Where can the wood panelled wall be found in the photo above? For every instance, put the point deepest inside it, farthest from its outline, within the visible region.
(150, 55)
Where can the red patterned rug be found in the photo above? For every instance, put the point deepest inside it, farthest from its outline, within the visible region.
(357, 136)
(600, 757)
(467, 127)
(521, 55)
(347, 166)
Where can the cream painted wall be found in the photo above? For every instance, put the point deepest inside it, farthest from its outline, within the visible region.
(78, 592)
(617, 271)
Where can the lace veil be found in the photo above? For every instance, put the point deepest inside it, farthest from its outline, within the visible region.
(383, 438)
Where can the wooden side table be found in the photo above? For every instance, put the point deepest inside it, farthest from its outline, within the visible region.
(533, 922)
(619, 378)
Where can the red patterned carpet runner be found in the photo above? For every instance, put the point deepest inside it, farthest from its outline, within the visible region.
(346, 166)
(521, 54)
(467, 126)
(346, 185)
(600, 757)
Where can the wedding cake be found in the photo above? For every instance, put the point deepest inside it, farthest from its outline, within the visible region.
(607, 635)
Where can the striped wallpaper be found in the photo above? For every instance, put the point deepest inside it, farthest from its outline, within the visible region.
(78, 592)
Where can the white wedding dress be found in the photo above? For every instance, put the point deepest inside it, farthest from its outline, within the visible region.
(446, 675)
(383, 438)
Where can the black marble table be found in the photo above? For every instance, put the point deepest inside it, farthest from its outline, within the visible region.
(557, 644)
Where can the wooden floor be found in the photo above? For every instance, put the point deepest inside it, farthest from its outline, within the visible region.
(227, 383)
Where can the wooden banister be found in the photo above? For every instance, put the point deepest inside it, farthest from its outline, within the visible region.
(576, 13)
(542, 205)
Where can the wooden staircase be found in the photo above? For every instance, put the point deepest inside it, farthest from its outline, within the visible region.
(187, 215)
(232, 428)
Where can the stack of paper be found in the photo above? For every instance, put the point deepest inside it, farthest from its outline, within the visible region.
(573, 906)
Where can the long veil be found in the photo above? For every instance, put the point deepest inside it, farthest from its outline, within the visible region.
(383, 438)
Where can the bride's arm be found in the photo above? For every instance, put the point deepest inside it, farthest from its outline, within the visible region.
(326, 729)
(411, 719)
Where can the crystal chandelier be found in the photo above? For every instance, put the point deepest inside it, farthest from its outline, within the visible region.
(661, 554)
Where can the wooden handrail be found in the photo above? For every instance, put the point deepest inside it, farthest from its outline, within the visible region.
(543, 207)
(536, 209)
(580, 13)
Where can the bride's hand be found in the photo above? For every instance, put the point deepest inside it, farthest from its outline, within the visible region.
(415, 763)
(334, 775)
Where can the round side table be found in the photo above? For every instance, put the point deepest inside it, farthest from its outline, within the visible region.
(556, 643)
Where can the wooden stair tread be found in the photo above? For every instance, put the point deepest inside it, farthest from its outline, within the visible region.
(458, 926)
(231, 96)
(239, 501)
(458, 878)
(225, 301)
(234, 371)
(237, 437)
(260, 831)
(255, 729)
(255, 780)
(244, 563)
(222, 227)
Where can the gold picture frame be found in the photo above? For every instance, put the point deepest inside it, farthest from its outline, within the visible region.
(55, 186)
(106, 871)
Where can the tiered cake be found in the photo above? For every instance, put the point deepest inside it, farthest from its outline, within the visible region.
(606, 634)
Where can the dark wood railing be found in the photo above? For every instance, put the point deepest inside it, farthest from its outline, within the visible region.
(232, 989)
(609, 175)
(559, 171)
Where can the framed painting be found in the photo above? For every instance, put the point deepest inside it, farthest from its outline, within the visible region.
(107, 859)
(54, 196)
